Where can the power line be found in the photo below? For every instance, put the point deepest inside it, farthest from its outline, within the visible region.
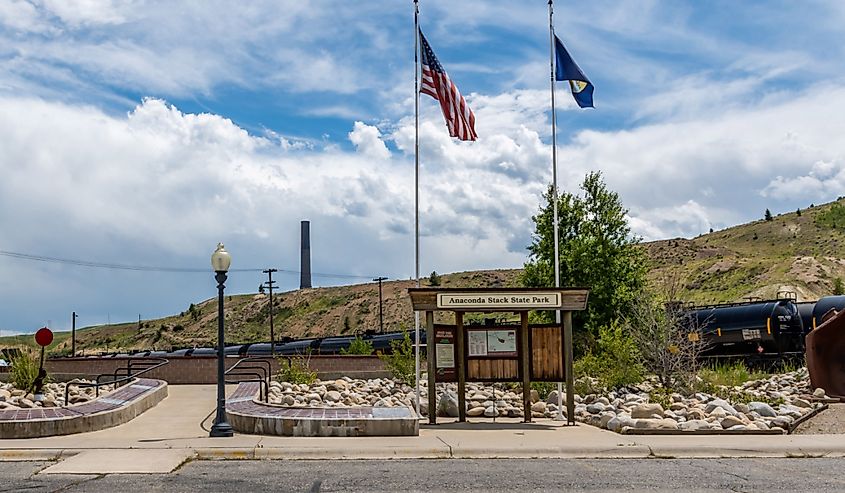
(147, 268)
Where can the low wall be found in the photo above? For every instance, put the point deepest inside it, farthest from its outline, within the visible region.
(203, 369)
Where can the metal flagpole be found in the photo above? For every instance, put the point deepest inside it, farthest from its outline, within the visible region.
(417, 195)
(559, 416)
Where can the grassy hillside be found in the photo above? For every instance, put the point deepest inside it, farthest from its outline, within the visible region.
(300, 313)
(798, 253)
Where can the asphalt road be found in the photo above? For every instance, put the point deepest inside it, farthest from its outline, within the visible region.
(675, 475)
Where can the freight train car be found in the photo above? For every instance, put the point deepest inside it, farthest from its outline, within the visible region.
(771, 329)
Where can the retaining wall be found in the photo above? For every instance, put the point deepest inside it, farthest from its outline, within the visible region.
(203, 369)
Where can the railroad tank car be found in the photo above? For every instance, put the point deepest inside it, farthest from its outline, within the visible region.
(765, 328)
(836, 302)
(302, 346)
(333, 345)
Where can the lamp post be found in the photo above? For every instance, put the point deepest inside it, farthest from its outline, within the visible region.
(220, 261)
(380, 314)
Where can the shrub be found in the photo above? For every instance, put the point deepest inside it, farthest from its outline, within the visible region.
(615, 364)
(24, 370)
(728, 374)
(296, 369)
(359, 346)
(668, 338)
(400, 362)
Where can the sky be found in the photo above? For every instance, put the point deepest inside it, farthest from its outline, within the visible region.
(143, 132)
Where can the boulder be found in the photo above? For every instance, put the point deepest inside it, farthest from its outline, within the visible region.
(552, 398)
(25, 403)
(695, 424)
(647, 410)
(333, 396)
(490, 412)
(762, 409)
(535, 396)
(538, 407)
(448, 404)
(595, 408)
(476, 411)
(718, 413)
(656, 424)
(819, 393)
(801, 403)
(719, 403)
(730, 421)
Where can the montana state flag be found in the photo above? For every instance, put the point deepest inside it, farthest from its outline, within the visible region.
(567, 69)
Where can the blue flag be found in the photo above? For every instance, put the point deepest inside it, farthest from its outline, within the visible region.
(567, 69)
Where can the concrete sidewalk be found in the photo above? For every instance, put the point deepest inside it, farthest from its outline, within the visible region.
(174, 424)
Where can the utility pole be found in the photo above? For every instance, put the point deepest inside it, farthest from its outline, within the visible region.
(139, 323)
(380, 313)
(73, 335)
(270, 286)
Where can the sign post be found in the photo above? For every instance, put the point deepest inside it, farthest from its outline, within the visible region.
(44, 337)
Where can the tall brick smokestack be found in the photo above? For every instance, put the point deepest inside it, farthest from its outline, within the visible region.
(305, 256)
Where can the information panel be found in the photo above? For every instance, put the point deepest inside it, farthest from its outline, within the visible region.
(501, 343)
(444, 354)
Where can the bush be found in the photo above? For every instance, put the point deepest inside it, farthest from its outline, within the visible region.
(669, 340)
(296, 369)
(24, 370)
(400, 362)
(617, 362)
(359, 346)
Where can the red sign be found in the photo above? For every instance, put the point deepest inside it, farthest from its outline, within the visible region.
(44, 337)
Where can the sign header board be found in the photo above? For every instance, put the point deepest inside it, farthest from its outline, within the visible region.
(515, 300)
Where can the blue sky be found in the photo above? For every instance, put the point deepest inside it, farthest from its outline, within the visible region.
(144, 132)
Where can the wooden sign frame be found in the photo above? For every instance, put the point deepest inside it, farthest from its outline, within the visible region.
(489, 300)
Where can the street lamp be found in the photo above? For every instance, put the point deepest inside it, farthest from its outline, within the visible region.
(380, 314)
(220, 261)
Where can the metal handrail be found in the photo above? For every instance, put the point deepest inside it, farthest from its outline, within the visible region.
(96, 384)
(263, 388)
(264, 366)
(130, 364)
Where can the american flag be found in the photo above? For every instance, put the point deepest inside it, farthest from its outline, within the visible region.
(436, 83)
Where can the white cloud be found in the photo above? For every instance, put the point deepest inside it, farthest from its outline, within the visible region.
(87, 12)
(367, 140)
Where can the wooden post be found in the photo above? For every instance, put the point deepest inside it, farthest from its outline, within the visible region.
(524, 360)
(432, 370)
(459, 362)
(570, 378)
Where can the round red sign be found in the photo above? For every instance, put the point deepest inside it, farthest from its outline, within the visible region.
(44, 337)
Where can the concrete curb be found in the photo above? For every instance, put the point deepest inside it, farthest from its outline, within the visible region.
(12, 455)
(638, 451)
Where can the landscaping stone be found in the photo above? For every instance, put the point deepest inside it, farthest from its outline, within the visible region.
(647, 410)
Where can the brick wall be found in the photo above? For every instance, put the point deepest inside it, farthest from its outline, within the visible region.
(203, 369)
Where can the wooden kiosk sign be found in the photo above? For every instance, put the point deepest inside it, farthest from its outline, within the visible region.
(498, 353)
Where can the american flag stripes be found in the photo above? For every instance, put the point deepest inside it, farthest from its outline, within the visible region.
(436, 83)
